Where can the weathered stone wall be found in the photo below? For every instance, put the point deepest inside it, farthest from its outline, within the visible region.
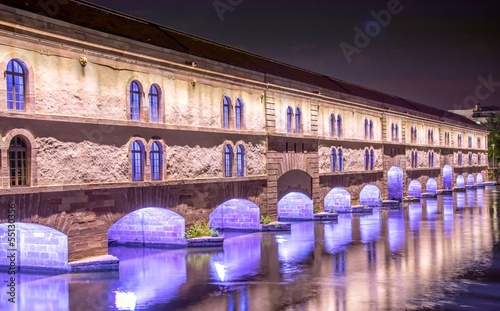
(76, 163)
(354, 159)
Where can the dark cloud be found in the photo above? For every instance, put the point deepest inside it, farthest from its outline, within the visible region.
(432, 51)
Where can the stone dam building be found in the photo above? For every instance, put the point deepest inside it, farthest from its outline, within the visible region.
(112, 127)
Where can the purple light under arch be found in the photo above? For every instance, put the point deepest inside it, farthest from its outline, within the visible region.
(337, 199)
(236, 215)
(295, 206)
(370, 196)
(415, 189)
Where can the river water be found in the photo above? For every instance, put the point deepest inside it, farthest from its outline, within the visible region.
(439, 254)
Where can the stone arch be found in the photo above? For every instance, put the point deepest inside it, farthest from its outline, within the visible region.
(479, 179)
(149, 226)
(337, 199)
(470, 180)
(370, 196)
(395, 183)
(294, 181)
(236, 214)
(295, 206)
(460, 182)
(415, 189)
(40, 247)
(447, 177)
(431, 186)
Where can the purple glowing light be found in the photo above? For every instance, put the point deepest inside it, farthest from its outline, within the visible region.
(431, 186)
(415, 189)
(447, 176)
(295, 205)
(395, 183)
(236, 214)
(370, 196)
(337, 199)
(460, 181)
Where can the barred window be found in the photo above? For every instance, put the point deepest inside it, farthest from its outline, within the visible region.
(135, 101)
(156, 157)
(18, 162)
(137, 156)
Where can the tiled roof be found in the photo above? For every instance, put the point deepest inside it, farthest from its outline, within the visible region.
(95, 17)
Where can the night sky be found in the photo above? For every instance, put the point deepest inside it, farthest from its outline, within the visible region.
(445, 55)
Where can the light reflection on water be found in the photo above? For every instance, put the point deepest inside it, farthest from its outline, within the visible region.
(405, 259)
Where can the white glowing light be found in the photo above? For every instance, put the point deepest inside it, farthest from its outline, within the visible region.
(125, 301)
(221, 271)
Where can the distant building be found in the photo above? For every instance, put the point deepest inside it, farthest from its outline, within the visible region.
(478, 114)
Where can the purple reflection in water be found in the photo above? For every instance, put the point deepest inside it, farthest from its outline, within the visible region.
(460, 199)
(370, 227)
(431, 206)
(295, 247)
(240, 259)
(471, 196)
(480, 197)
(148, 275)
(338, 235)
(415, 215)
(448, 214)
(396, 232)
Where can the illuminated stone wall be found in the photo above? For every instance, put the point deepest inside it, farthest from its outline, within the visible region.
(236, 214)
(295, 205)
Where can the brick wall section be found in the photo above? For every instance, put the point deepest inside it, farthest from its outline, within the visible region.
(295, 206)
(353, 182)
(236, 214)
(86, 215)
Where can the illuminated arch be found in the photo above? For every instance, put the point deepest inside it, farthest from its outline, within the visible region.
(470, 180)
(447, 177)
(39, 248)
(337, 199)
(150, 226)
(415, 189)
(370, 196)
(395, 183)
(479, 179)
(460, 182)
(295, 206)
(431, 186)
(236, 214)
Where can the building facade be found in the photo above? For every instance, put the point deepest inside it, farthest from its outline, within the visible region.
(107, 119)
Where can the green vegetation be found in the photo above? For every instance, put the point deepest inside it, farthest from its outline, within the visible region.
(265, 219)
(493, 125)
(316, 210)
(201, 229)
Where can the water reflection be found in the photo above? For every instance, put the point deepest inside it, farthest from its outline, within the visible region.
(403, 259)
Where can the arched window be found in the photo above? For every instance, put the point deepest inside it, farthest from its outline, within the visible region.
(372, 159)
(339, 126)
(459, 140)
(460, 158)
(412, 159)
(334, 159)
(392, 132)
(478, 143)
(240, 160)
(479, 159)
(289, 114)
(367, 133)
(371, 130)
(18, 162)
(341, 160)
(367, 159)
(470, 158)
(431, 158)
(415, 133)
(470, 141)
(332, 124)
(15, 77)
(228, 160)
(137, 161)
(135, 101)
(156, 157)
(226, 110)
(154, 104)
(396, 131)
(238, 113)
(297, 120)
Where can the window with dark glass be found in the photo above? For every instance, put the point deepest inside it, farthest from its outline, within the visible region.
(154, 104)
(341, 160)
(289, 113)
(156, 157)
(332, 124)
(367, 159)
(137, 161)
(333, 159)
(371, 130)
(18, 162)
(228, 160)
(135, 101)
(226, 111)
(297, 120)
(240, 160)
(372, 160)
(339, 126)
(238, 113)
(15, 77)
(367, 133)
